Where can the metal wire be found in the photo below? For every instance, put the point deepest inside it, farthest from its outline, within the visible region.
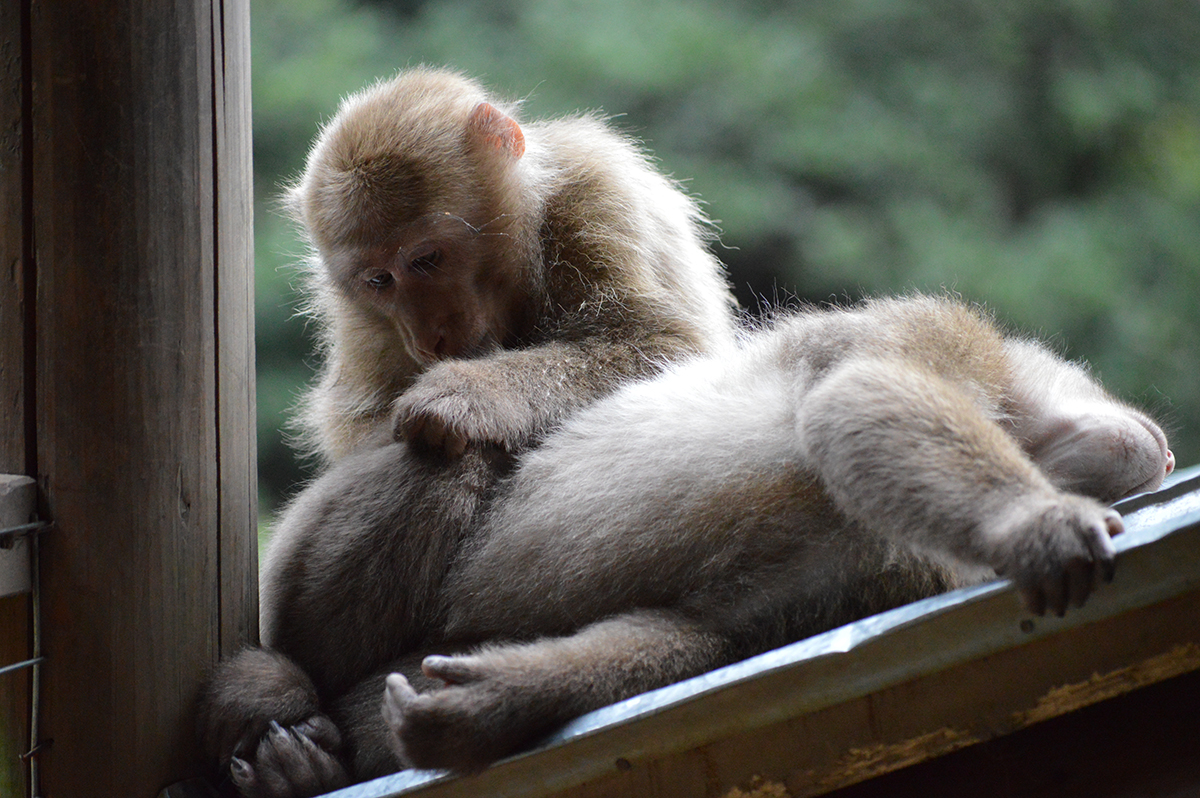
(8, 536)
(16, 666)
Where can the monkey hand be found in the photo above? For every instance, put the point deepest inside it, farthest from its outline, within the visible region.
(460, 403)
(1057, 551)
(463, 727)
(296, 762)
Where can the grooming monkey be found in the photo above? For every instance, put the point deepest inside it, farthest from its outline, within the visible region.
(475, 280)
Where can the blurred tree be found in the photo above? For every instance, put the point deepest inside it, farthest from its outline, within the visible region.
(1041, 156)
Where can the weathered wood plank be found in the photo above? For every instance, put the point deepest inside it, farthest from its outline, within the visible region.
(13, 201)
(235, 327)
(1140, 744)
(14, 610)
(141, 379)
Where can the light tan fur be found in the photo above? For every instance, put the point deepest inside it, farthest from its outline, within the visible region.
(842, 463)
(565, 264)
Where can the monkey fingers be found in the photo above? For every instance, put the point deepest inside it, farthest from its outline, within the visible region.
(398, 696)
(456, 404)
(291, 763)
(451, 670)
(435, 433)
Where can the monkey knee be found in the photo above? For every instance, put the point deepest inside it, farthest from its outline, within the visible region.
(1109, 453)
(245, 694)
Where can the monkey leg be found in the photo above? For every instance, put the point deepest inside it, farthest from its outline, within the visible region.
(915, 457)
(502, 698)
(260, 715)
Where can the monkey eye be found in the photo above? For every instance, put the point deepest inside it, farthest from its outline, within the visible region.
(381, 280)
(425, 262)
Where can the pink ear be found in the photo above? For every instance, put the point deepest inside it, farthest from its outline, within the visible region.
(497, 128)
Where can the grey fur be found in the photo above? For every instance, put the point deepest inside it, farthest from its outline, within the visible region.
(838, 464)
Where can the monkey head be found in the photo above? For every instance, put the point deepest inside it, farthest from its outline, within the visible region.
(416, 202)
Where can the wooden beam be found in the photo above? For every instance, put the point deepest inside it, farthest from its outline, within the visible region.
(1143, 743)
(15, 410)
(144, 450)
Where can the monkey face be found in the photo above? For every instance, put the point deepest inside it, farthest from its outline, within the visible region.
(410, 198)
(445, 288)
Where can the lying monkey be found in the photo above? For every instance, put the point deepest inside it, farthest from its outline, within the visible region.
(838, 464)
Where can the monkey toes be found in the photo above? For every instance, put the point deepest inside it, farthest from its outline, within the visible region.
(463, 727)
(296, 762)
(1057, 553)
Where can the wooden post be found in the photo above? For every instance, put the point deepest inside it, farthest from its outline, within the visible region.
(126, 369)
(14, 365)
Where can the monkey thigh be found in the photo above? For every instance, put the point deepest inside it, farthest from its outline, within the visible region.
(353, 577)
(911, 454)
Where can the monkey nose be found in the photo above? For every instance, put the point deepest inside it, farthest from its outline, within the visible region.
(431, 348)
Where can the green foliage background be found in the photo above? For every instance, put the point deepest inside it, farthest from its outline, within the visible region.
(1040, 156)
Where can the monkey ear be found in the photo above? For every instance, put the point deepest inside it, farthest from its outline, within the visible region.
(490, 125)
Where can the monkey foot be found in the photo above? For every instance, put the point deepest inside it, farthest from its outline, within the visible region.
(464, 726)
(1060, 552)
(296, 762)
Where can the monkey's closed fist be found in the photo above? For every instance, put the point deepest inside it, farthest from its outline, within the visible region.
(1057, 551)
(461, 403)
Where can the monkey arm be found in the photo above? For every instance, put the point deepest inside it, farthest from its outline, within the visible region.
(512, 398)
